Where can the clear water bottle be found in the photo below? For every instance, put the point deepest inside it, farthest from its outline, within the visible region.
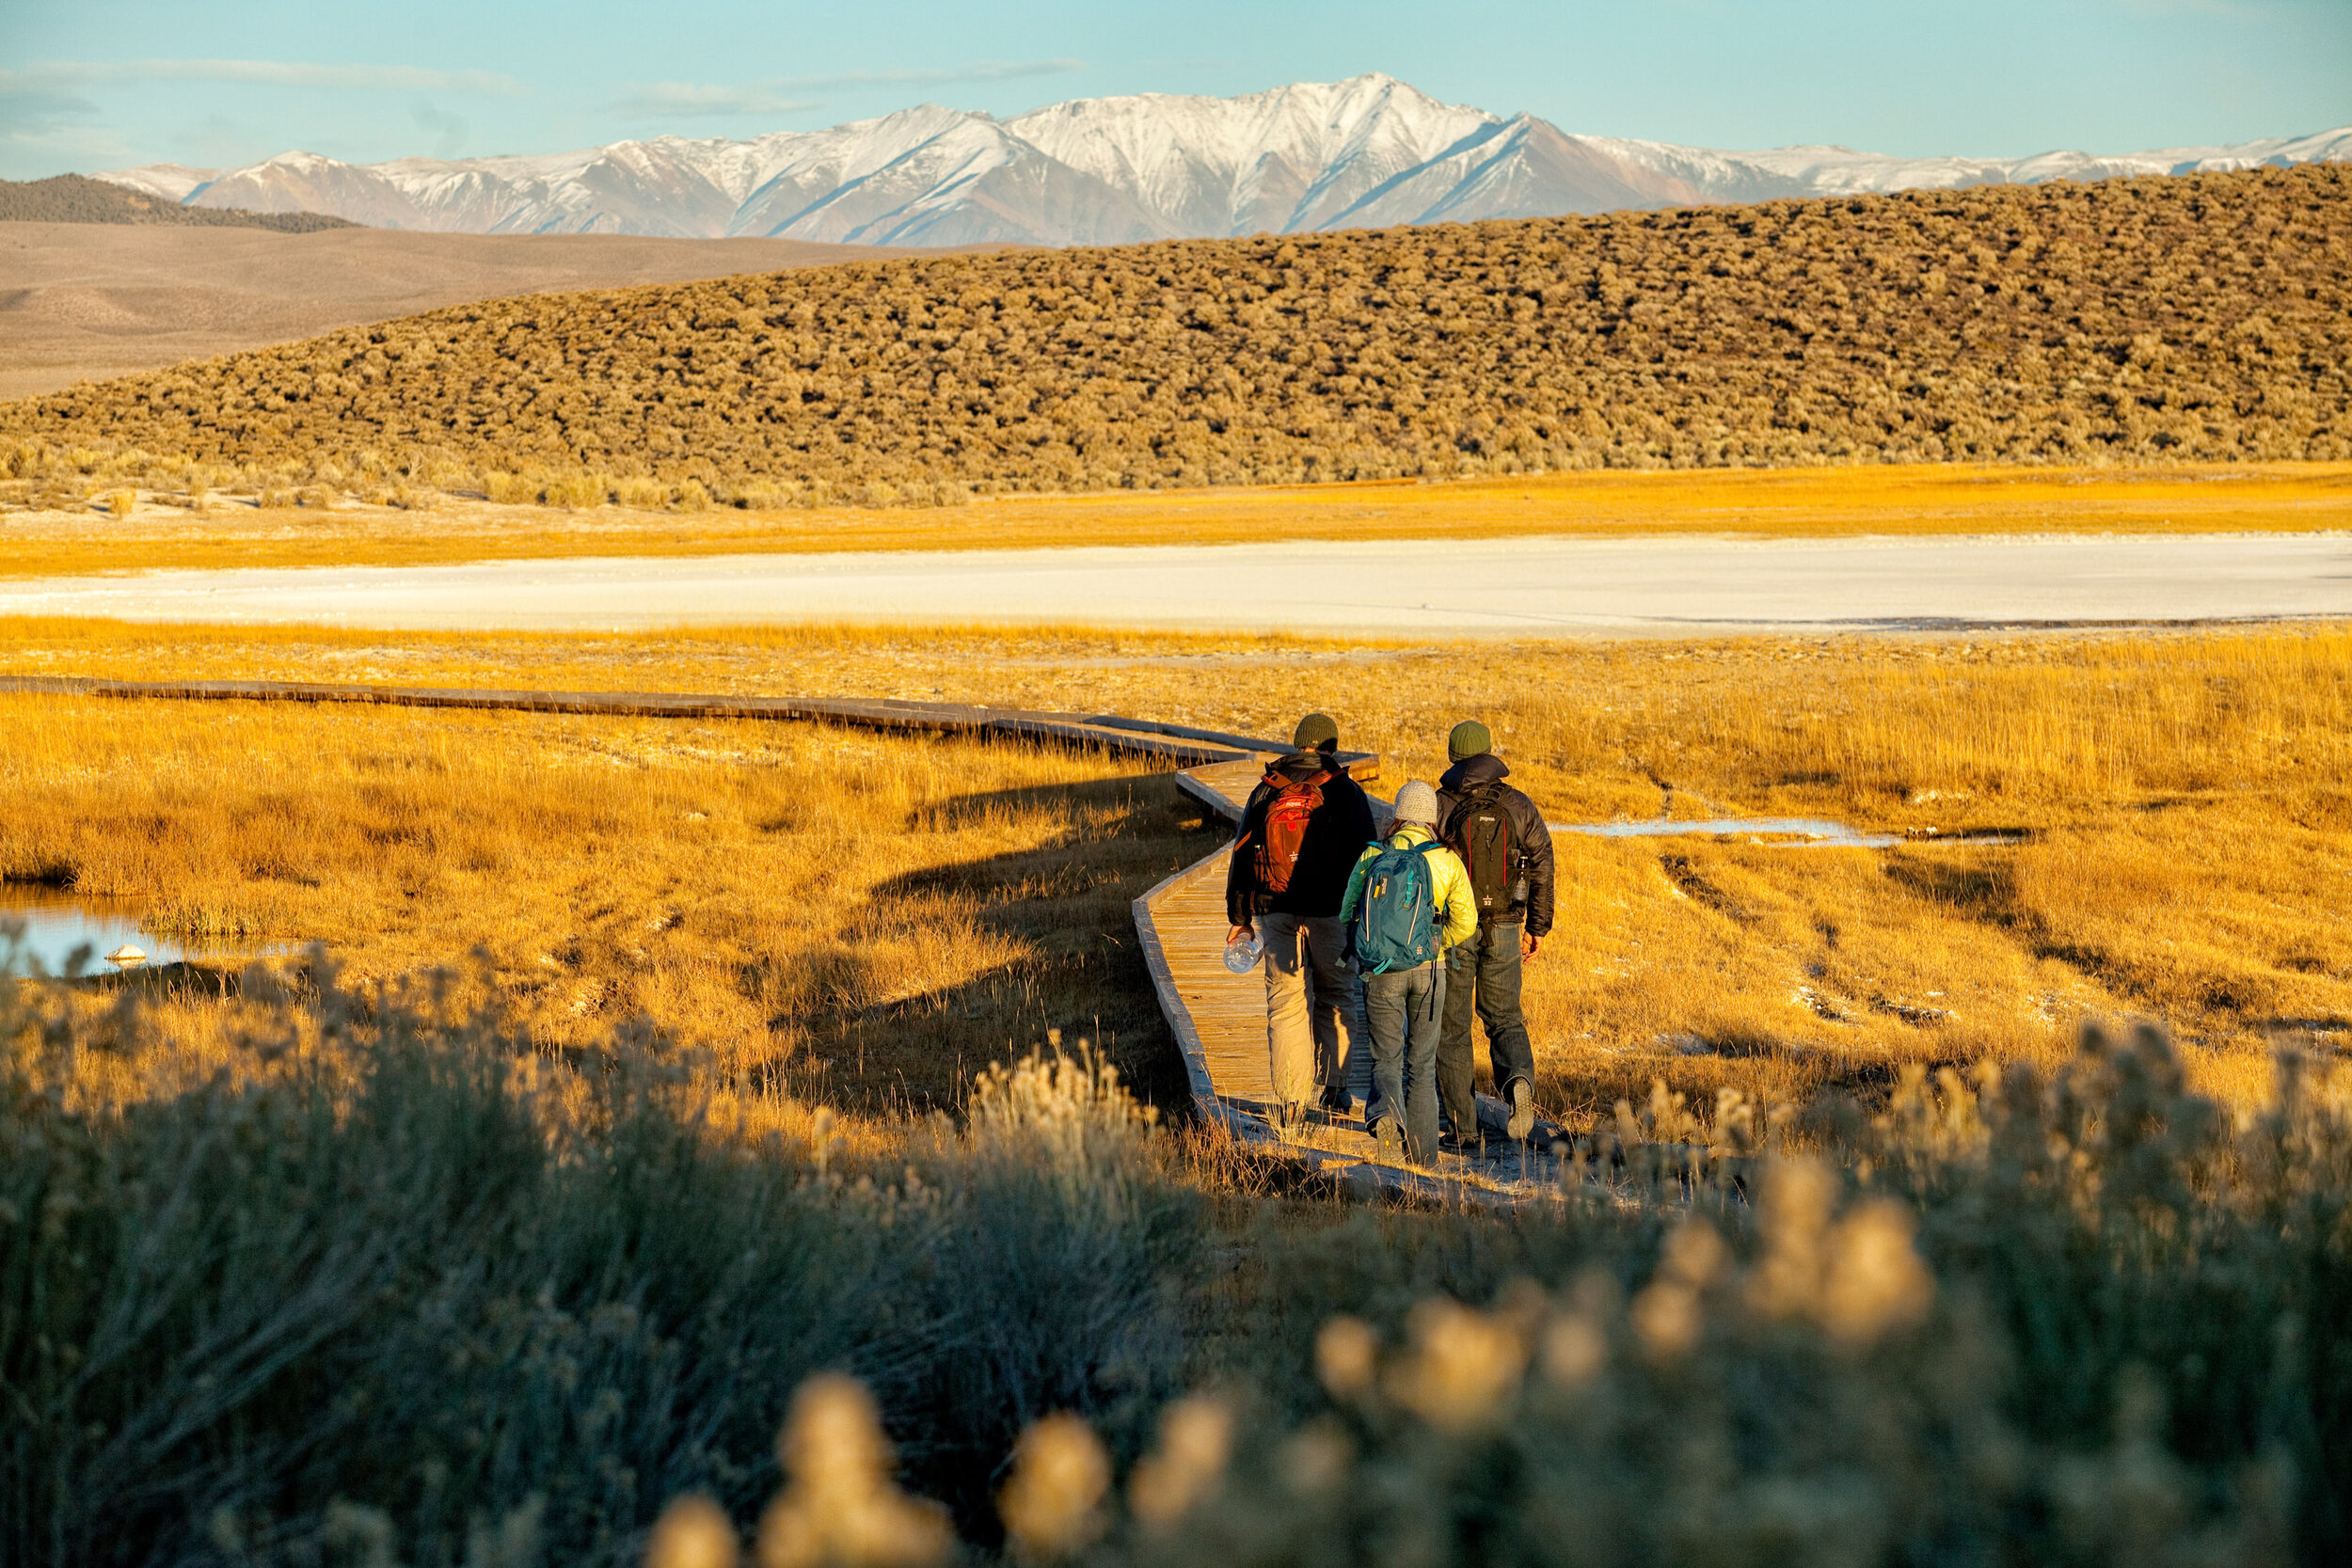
(1242, 953)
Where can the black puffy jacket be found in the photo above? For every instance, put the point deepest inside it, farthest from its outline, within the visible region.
(1336, 835)
(1530, 837)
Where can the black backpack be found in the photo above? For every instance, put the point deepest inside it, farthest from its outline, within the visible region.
(1480, 832)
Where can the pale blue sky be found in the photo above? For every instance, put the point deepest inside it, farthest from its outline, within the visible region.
(99, 84)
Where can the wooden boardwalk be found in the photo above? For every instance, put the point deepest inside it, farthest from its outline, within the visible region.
(1177, 743)
(1218, 1018)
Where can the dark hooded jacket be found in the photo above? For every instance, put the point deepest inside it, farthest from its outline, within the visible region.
(1336, 835)
(1530, 839)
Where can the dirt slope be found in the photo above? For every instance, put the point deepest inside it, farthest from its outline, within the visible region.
(87, 301)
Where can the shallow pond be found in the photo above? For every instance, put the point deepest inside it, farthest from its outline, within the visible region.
(50, 927)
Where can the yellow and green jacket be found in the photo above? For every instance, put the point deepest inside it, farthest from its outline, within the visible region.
(1448, 883)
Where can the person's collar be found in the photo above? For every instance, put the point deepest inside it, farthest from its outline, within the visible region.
(1483, 768)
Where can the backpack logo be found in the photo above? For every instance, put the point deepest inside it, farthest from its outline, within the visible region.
(1283, 833)
(1396, 917)
(1479, 833)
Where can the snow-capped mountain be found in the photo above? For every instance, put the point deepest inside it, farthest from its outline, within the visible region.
(1360, 153)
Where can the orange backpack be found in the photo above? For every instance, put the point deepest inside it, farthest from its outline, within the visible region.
(1283, 833)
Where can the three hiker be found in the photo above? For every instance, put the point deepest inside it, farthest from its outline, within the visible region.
(1507, 847)
(1301, 831)
(1409, 902)
(1438, 917)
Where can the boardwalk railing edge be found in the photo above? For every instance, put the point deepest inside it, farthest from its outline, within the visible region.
(1171, 743)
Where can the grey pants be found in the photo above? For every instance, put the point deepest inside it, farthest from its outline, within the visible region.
(1313, 1001)
(1405, 1009)
(1482, 974)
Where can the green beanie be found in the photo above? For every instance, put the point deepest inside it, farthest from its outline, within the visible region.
(1317, 732)
(1469, 738)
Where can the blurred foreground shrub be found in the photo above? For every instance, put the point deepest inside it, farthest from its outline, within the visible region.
(403, 1280)
(401, 1291)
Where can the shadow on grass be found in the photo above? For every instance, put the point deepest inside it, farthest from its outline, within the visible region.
(1069, 902)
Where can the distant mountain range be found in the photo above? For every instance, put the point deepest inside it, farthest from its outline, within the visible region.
(1366, 152)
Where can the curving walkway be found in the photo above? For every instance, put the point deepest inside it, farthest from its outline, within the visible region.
(1218, 1018)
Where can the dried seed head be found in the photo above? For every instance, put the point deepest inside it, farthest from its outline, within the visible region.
(1695, 1256)
(1345, 1348)
(693, 1533)
(1060, 1475)
(1196, 1444)
(1668, 1316)
(833, 1439)
(1463, 1363)
(1574, 1350)
(842, 1507)
(1875, 1281)
(1795, 1207)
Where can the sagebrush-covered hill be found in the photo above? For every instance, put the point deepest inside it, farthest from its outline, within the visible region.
(78, 199)
(2200, 317)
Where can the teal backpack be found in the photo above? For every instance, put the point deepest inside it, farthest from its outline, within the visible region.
(1396, 919)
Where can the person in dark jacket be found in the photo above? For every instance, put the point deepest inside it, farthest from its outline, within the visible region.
(1312, 995)
(1482, 974)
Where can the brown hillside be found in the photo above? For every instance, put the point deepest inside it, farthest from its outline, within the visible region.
(78, 199)
(81, 301)
(2204, 317)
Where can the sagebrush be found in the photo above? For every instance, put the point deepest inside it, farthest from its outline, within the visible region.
(2199, 317)
(398, 1290)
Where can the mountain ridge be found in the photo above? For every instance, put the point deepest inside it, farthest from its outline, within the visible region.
(1366, 152)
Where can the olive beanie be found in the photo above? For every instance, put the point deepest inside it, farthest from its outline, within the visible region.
(1469, 739)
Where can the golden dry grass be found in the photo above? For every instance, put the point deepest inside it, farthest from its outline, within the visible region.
(2189, 848)
(828, 915)
(192, 530)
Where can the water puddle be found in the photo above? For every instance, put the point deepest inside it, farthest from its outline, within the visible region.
(52, 926)
(1795, 832)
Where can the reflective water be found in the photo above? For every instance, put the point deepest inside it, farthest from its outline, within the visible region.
(1800, 832)
(50, 927)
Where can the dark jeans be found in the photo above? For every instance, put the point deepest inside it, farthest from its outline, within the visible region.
(1484, 971)
(1406, 1010)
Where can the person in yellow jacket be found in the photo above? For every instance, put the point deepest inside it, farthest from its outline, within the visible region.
(1409, 901)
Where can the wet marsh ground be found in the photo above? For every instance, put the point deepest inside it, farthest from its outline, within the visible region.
(867, 921)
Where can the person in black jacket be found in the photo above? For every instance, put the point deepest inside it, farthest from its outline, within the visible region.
(1312, 996)
(1513, 918)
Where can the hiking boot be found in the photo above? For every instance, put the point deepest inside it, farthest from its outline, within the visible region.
(1449, 1143)
(1337, 1101)
(1387, 1139)
(1522, 1122)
